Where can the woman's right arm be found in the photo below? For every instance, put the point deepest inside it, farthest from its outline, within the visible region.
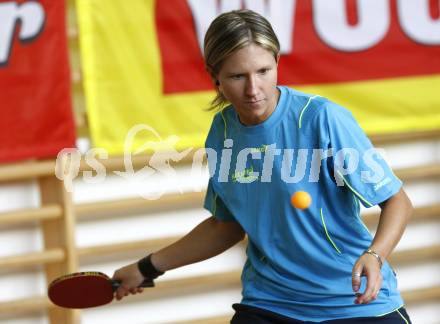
(208, 239)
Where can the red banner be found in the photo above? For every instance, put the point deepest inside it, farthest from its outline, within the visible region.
(35, 102)
(363, 40)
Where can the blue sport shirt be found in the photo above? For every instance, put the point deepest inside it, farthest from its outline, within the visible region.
(299, 262)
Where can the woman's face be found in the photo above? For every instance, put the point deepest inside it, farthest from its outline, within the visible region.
(248, 80)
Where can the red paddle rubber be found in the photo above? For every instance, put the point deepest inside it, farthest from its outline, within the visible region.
(85, 289)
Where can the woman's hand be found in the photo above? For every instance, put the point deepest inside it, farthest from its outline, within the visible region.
(130, 278)
(394, 216)
(367, 265)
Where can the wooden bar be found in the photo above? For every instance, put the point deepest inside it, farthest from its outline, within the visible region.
(59, 234)
(116, 163)
(26, 170)
(190, 285)
(425, 172)
(75, 77)
(380, 139)
(416, 256)
(421, 295)
(147, 245)
(130, 205)
(196, 284)
(33, 259)
(421, 214)
(31, 305)
(50, 211)
(425, 213)
(72, 33)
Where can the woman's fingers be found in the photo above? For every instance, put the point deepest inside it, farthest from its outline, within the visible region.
(121, 292)
(356, 277)
(136, 290)
(376, 289)
(374, 283)
(130, 279)
(366, 266)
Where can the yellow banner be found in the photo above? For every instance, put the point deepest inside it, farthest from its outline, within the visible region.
(122, 79)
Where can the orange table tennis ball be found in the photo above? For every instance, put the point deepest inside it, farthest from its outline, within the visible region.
(301, 200)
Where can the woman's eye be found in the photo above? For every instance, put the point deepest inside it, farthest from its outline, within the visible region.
(236, 77)
(263, 71)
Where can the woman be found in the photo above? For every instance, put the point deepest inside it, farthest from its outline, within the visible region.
(313, 265)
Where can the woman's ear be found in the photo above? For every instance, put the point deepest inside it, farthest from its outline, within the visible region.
(218, 86)
(278, 58)
(212, 75)
(216, 82)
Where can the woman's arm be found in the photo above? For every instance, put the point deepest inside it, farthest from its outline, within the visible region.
(394, 216)
(208, 239)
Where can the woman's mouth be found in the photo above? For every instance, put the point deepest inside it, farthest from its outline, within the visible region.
(252, 102)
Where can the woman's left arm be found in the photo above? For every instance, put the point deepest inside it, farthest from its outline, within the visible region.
(394, 216)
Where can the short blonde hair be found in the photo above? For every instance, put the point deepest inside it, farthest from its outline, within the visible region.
(230, 32)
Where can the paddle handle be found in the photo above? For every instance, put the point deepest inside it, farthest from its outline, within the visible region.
(145, 284)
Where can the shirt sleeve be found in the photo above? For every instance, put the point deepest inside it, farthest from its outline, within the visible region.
(215, 205)
(356, 163)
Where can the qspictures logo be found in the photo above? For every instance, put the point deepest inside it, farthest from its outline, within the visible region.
(220, 164)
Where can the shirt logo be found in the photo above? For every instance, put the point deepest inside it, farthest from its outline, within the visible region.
(245, 176)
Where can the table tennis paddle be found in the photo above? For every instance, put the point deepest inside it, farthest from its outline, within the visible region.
(85, 289)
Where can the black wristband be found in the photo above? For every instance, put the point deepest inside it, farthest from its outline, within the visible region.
(147, 268)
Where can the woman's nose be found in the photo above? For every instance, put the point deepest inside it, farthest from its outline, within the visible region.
(251, 86)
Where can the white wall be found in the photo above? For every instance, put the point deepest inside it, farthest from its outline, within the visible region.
(133, 227)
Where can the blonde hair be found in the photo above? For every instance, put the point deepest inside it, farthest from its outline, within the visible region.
(230, 32)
